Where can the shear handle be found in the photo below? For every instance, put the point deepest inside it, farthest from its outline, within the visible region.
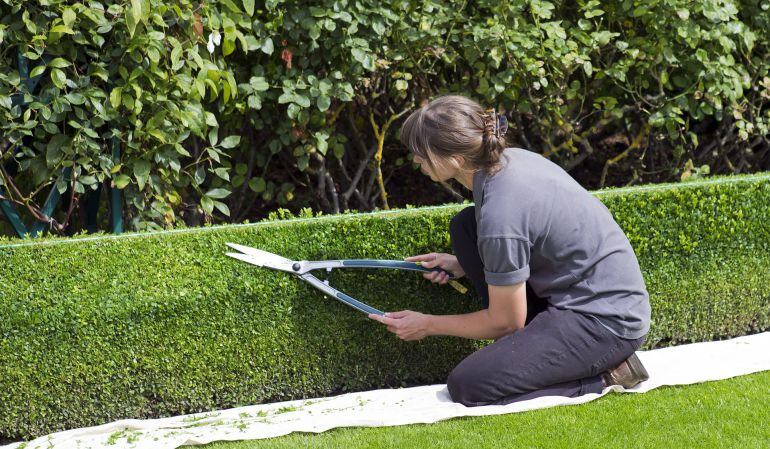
(373, 263)
(336, 294)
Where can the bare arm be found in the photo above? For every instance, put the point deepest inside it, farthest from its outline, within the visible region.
(506, 313)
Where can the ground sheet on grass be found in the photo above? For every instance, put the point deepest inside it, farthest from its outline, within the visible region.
(678, 365)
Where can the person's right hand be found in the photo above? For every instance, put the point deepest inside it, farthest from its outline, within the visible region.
(448, 262)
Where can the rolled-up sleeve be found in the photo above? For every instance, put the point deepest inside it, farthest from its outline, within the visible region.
(506, 259)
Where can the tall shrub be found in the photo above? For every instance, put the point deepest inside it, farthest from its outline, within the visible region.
(228, 109)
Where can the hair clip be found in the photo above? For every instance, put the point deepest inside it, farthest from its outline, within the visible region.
(501, 125)
(499, 122)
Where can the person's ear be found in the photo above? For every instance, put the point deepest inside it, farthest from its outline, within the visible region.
(458, 162)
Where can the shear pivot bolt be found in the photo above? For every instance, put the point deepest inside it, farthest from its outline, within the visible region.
(296, 266)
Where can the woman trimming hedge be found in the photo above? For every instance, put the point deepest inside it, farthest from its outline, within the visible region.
(562, 292)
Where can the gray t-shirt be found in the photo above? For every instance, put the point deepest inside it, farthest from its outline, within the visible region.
(537, 224)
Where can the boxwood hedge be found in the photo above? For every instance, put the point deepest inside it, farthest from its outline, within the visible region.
(96, 329)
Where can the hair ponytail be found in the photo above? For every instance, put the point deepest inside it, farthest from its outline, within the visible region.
(493, 140)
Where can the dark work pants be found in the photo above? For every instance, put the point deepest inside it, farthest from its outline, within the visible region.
(558, 352)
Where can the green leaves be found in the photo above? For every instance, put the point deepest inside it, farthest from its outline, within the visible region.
(58, 78)
(289, 96)
(541, 9)
(59, 63)
(209, 201)
(136, 10)
(207, 204)
(223, 173)
(60, 29)
(257, 185)
(259, 83)
(588, 68)
(230, 4)
(267, 46)
(135, 15)
(310, 75)
(141, 172)
(68, 17)
(54, 149)
(248, 6)
(230, 142)
(217, 193)
(121, 181)
(363, 56)
(176, 58)
(321, 141)
(37, 71)
(116, 97)
(301, 100)
(323, 102)
(75, 98)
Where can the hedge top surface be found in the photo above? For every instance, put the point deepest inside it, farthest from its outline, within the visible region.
(714, 180)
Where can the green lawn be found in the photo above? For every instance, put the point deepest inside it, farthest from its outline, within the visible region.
(728, 413)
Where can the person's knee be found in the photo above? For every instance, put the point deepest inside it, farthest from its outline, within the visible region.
(460, 385)
(455, 384)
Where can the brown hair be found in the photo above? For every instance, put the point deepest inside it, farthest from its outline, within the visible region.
(453, 125)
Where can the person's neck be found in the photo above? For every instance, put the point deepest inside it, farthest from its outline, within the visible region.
(466, 178)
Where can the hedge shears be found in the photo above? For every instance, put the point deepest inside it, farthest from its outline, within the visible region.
(302, 269)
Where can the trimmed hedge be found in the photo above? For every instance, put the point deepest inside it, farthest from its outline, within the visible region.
(147, 325)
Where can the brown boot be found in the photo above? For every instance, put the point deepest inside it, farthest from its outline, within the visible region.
(629, 373)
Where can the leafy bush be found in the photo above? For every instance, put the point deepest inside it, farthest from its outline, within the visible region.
(96, 329)
(228, 109)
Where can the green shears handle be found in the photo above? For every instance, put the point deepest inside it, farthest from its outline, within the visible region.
(371, 263)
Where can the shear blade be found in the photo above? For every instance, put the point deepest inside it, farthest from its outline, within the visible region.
(245, 258)
(258, 252)
(260, 258)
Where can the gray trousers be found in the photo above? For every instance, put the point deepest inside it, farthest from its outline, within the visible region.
(558, 352)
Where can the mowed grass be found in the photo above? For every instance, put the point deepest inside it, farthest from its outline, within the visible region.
(731, 413)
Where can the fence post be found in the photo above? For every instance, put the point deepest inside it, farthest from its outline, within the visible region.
(116, 196)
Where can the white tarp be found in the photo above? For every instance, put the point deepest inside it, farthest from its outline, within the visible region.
(679, 365)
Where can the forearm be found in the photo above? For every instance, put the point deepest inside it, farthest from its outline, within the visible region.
(475, 325)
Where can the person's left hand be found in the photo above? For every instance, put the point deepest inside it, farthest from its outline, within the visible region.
(406, 324)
